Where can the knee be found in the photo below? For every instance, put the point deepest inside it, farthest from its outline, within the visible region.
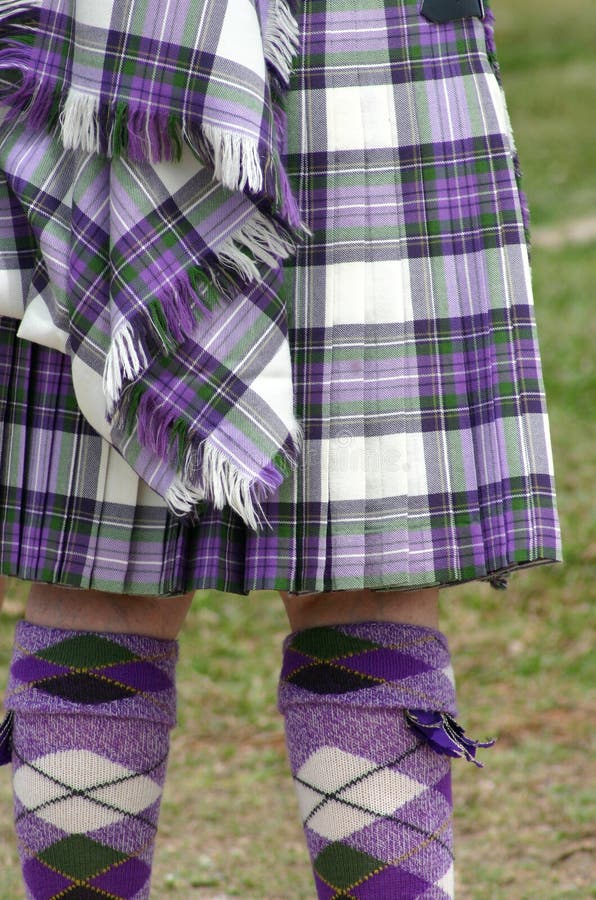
(418, 607)
(59, 607)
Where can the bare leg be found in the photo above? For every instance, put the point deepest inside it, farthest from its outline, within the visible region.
(411, 607)
(60, 607)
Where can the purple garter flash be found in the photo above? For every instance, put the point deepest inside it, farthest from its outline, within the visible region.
(444, 734)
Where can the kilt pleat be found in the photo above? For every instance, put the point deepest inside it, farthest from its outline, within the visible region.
(72, 511)
(416, 364)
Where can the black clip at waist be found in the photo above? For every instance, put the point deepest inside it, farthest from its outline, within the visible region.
(442, 11)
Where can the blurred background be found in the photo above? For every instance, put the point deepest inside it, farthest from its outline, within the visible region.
(524, 657)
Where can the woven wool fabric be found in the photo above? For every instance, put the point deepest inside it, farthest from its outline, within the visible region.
(143, 145)
(416, 368)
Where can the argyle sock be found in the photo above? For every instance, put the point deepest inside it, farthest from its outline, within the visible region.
(374, 786)
(92, 714)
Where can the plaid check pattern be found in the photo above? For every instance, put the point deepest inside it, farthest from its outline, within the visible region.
(374, 798)
(416, 367)
(143, 262)
(155, 77)
(92, 714)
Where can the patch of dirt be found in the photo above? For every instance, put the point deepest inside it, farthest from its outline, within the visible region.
(564, 725)
(578, 231)
(575, 866)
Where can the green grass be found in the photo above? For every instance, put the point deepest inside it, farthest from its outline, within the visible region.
(547, 58)
(523, 658)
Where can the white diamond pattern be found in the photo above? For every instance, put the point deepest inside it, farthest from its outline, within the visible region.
(340, 793)
(80, 791)
(447, 882)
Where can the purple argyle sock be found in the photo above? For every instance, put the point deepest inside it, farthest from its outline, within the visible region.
(368, 711)
(92, 716)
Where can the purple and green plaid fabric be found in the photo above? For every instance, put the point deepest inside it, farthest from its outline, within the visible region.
(416, 367)
(143, 145)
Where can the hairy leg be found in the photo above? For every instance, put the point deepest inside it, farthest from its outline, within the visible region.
(412, 607)
(61, 607)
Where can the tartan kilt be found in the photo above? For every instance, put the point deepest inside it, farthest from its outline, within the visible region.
(417, 373)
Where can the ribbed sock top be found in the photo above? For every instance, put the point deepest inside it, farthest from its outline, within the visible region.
(124, 675)
(381, 664)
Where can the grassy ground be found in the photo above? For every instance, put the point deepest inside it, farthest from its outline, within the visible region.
(525, 671)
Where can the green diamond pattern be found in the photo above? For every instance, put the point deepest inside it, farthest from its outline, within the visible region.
(342, 866)
(88, 651)
(327, 643)
(78, 857)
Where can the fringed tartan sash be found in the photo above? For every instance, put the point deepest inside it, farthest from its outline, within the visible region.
(145, 216)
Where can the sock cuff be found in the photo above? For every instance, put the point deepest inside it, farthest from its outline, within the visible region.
(54, 670)
(372, 664)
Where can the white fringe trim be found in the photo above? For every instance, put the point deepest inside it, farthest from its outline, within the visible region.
(259, 236)
(11, 7)
(297, 433)
(281, 38)
(223, 484)
(235, 157)
(79, 121)
(236, 161)
(264, 240)
(233, 257)
(182, 499)
(125, 359)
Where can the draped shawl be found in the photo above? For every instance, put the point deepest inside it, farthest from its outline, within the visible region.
(145, 214)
